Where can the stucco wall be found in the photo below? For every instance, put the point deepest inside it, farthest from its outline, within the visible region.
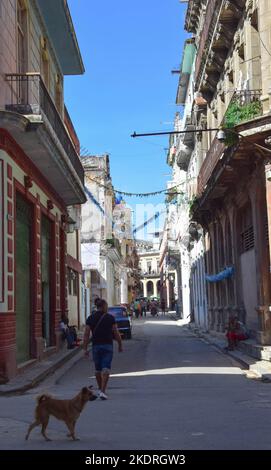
(71, 244)
(73, 310)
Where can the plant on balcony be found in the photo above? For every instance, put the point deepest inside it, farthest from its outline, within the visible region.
(238, 113)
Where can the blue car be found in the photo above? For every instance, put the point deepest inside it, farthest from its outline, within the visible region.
(123, 320)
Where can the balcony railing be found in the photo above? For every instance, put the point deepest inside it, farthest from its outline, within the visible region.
(212, 8)
(212, 157)
(244, 106)
(29, 96)
(152, 273)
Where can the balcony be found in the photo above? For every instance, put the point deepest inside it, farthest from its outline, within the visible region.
(212, 157)
(150, 274)
(221, 23)
(212, 7)
(34, 121)
(244, 107)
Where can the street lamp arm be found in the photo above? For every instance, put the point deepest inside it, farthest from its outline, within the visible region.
(172, 132)
(220, 130)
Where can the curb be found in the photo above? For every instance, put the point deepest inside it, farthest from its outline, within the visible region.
(257, 370)
(237, 356)
(40, 377)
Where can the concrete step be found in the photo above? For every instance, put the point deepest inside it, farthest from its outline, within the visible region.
(35, 374)
(253, 349)
(244, 355)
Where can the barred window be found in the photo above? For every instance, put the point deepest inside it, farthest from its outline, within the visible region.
(247, 241)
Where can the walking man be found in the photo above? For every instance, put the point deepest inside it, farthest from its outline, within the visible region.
(103, 328)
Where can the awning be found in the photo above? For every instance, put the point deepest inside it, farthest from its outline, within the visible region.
(74, 264)
(186, 69)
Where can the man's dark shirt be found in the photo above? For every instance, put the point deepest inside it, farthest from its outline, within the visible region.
(103, 334)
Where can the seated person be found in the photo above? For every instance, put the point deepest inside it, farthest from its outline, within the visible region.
(236, 332)
(69, 332)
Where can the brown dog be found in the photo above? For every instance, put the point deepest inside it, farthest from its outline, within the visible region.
(64, 410)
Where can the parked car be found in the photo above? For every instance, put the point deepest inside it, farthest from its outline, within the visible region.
(123, 320)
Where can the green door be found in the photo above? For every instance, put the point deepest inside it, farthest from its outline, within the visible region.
(45, 277)
(23, 279)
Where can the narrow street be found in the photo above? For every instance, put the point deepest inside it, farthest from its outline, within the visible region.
(169, 390)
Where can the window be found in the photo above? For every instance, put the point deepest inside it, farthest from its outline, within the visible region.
(72, 282)
(21, 49)
(246, 229)
(21, 37)
(45, 64)
(149, 267)
(75, 284)
(58, 94)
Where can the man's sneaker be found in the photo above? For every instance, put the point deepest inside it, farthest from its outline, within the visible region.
(103, 396)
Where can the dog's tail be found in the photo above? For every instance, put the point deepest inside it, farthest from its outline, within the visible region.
(42, 398)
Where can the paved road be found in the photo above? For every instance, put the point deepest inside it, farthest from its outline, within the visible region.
(169, 390)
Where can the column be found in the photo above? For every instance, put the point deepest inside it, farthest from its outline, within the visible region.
(39, 341)
(264, 335)
(124, 288)
(56, 280)
(8, 367)
(144, 287)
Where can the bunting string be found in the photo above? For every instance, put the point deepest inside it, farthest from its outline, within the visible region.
(169, 191)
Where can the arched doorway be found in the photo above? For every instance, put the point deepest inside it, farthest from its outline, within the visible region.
(150, 288)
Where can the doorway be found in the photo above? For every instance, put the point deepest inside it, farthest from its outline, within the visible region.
(23, 307)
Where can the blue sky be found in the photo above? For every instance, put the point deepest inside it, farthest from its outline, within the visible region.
(129, 49)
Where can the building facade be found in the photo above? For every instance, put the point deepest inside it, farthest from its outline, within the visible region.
(149, 268)
(40, 177)
(108, 251)
(228, 174)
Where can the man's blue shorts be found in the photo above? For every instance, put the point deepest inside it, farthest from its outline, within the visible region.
(102, 357)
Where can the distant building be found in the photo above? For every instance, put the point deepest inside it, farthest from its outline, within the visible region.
(149, 269)
(108, 251)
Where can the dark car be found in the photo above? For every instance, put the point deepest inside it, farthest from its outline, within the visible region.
(123, 320)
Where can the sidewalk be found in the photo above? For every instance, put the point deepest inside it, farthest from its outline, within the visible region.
(256, 368)
(31, 377)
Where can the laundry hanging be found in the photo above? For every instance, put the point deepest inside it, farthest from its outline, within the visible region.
(225, 274)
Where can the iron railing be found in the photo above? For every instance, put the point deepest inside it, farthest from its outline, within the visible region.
(29, 95)
(212, 157)
(211, 11)
(244, 106)
(248, 107)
